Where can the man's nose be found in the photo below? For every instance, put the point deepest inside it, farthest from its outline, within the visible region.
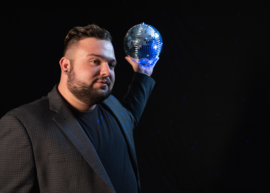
(105, 69)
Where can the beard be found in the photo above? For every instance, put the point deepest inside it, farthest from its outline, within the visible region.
(87, 93)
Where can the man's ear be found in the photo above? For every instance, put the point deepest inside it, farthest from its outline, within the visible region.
(64, 64)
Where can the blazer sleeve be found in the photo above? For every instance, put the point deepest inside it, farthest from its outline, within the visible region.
(17, 168)
(138, 93)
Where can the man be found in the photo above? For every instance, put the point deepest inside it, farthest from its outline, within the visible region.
(79, 138)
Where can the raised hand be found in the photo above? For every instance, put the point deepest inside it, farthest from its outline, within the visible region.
(144, 69)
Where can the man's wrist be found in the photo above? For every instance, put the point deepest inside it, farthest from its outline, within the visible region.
(143, 70)
(145, 73)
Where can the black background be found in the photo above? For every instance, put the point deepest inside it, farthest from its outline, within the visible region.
(206, 125)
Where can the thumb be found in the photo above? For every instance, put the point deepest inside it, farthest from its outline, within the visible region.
(127, 58)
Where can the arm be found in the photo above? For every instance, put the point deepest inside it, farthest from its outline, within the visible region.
(17, 169)
(140, 89)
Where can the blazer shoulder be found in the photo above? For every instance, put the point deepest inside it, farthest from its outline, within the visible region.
(33, 109)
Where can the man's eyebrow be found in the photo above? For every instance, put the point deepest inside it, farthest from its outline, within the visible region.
(100, 56)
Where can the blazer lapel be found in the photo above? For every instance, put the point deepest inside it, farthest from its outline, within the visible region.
(73, 130)
(127, 127)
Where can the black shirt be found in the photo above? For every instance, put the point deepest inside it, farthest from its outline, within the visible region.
(106, 136)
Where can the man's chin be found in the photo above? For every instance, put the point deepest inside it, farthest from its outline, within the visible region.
(102, 97)
(101, 89)
(103, 93)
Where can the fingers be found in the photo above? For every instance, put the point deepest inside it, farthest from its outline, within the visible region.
(136, 61)
(155, 61)
(127, 58)
(157, 58)
(131, 60)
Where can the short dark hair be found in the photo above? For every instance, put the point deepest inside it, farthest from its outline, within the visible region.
(78, 33)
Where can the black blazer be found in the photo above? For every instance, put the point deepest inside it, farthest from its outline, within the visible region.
(44, 149)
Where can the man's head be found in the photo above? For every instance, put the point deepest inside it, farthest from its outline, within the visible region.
(89, 63)
(78, 33)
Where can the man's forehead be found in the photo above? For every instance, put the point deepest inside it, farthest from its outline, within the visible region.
(96, 45)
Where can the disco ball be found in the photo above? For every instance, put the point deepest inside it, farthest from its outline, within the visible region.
(143, 42)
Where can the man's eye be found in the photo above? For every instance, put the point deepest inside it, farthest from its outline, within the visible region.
(94, 61)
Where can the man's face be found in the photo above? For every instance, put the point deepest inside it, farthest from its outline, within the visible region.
(91, 76)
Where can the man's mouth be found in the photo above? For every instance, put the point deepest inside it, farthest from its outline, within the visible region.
(103, 82)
